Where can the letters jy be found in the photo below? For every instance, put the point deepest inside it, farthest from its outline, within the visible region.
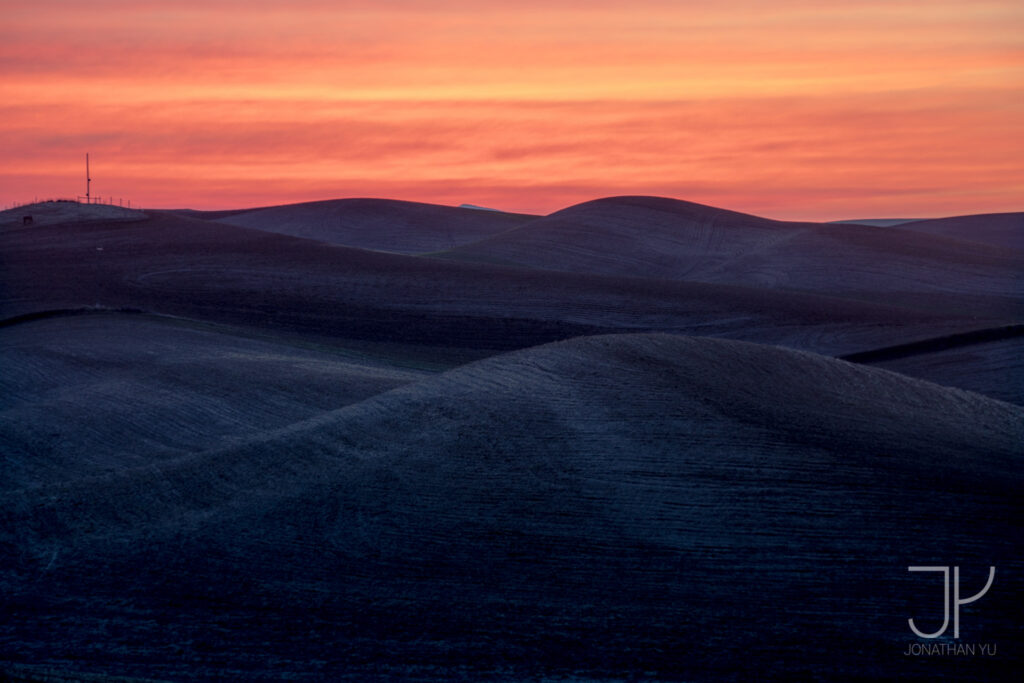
(956, 601)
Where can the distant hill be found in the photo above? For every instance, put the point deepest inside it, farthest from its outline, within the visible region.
(654, 237)
(380, 224)
(211, 271)
(879, 222)
(998, 229)
(634, 236)
(64, 211)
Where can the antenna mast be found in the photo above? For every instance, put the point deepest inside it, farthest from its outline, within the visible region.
(87, 179)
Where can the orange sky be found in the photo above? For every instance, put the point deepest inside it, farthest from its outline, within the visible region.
(786, 108)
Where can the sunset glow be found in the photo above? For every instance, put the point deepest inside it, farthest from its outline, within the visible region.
(789, 109)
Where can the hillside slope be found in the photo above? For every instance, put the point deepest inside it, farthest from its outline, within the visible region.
(209, 271)
(381, 224)
(90, 394)
(670, 239)
(997, 229)
(595, 507)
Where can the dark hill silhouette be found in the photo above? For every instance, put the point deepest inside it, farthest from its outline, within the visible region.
(670, 239)
(997, 229)
(635, 236)
(203, 270)
(381, 224)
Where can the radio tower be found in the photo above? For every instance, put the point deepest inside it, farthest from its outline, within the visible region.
(87, 179)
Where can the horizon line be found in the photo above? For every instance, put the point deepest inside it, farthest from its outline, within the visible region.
(477, 207)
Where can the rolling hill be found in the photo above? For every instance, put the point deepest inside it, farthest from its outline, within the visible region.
(655, 237)
(997, 229)
(593, 507)
(98, 392)
(613, 443)
(381, 224)
(204, 270)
